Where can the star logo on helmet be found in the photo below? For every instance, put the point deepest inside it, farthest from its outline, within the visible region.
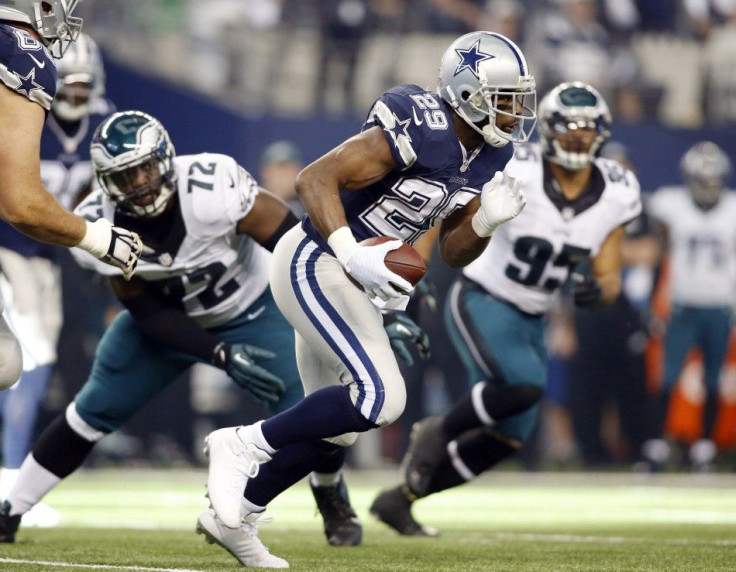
(399, 129)
(470, 58)
(27, 83)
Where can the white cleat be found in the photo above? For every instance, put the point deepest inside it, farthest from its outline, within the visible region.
(41, 516)
(242, 542)
(232, 463)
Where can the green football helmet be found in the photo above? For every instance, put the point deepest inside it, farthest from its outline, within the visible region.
(133, 159)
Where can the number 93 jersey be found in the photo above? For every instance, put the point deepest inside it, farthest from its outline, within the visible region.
(200, 263)
(530, 256)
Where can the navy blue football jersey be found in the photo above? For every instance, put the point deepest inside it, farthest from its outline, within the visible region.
(26, 66)
(435, 176)
(66, 170)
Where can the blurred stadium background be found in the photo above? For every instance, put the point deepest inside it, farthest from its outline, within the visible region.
(233, 76)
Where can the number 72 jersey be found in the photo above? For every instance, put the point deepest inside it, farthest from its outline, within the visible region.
(530, 257)
(200, 262)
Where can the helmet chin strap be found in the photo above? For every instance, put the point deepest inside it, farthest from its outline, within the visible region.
(491, 136)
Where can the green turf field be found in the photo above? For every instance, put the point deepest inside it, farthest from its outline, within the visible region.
(144, 520)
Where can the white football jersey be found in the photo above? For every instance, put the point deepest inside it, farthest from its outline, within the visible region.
(702, 246)
(530, 256)
(202, 262)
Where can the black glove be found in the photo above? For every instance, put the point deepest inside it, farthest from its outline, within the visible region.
(401, 329)
(238, 360)
(585, 289)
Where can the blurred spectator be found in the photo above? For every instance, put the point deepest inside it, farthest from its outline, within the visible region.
(280, 163)
(343, 25)
(720, 69)
(697, 220)
(569, 42)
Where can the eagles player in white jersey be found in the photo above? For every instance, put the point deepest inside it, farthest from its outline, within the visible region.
(423, 158)
(31, 272)
(201, 295)
(698, 219)
(577, 207)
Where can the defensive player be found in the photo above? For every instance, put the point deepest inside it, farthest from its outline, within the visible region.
(201, 295)
(577, 207)
(699, 224)
(423, 158)
(30, 268)
(30, 32)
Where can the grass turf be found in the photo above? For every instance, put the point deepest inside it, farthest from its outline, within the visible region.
(144, 520)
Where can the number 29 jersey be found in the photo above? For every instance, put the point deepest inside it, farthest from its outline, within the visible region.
(200, 263)
(530, 256)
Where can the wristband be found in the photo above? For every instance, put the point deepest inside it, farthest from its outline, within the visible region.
(97, 238)
(479, 227)
(343, 243)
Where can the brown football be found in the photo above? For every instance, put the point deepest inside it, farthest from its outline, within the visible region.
(404, 261)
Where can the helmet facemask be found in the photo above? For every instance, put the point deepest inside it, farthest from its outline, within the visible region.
(706, 169)
(80, 81)
(140, 188)
(56, 26)
(570, 115)
(51, 19)
(73, 97)
(133, 159)
(485, 79)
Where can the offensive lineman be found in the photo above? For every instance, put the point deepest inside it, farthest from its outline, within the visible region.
(201, 295)
(31, 31)
(31, 269)
(577, 208)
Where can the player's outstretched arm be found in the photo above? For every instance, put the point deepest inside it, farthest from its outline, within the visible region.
(172, 327)
(465, 234)
(30, 208)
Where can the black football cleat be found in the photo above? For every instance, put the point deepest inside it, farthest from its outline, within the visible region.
(427, 447)
(342, 525)
(393, 507)
(8, 524)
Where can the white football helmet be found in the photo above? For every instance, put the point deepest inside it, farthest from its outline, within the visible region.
(568, 107)
(706, 169)
(52, 19)
(133, 159)
(478, 71)
(81, 79)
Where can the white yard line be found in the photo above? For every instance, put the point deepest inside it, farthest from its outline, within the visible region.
(599, 539)
(93, 566)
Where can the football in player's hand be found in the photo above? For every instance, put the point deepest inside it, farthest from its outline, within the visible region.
(404, 261)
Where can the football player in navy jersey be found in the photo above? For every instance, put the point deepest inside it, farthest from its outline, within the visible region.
(30, 32)
(30, 268)
(423, 158)
(572, 226)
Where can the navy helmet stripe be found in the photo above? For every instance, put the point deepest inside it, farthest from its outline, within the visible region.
(514, 48)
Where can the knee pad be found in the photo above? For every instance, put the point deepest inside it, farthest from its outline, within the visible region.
(80, 426)
(344, 440)
(11, 357)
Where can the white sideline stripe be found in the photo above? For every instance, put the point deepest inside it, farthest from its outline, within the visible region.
(94, 566)
(604, 539)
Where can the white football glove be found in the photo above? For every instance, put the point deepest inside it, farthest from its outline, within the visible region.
(114, 245)
(500, 201)
(365, 264)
